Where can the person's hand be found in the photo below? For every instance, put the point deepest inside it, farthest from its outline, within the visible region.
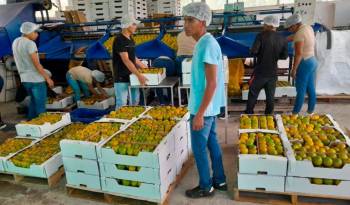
(294, 73)
(142, 79)
(50, 82)
(197, 123)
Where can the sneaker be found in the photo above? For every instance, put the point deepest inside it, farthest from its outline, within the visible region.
(221, 116)
(198, 192)
(2, 125)
(221, 187)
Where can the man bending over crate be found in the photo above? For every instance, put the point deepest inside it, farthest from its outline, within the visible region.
(207, 90)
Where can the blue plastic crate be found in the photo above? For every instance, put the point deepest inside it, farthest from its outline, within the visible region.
(85, 115)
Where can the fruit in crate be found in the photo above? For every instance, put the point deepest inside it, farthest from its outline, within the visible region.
(95, 132)
(142, 38)
(45, 118)
(167, 112)
(260, 143)
(143, 135)
(127, 112)
(314, 135)
(13, 145)
(319, 181)
(51, 100)
(170, 41)
(257, 122)
(152, 70)
(245, 86)
(310, 122)
(44, 149)
(68, 90)
(124, 182)
(93, 99)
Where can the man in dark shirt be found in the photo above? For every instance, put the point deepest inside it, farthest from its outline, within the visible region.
(268, 47)
(125, 63)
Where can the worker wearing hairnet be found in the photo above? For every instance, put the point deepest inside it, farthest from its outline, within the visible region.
(268, 47)
(125, 63)
(206, 98)
(79, 77)
(31, 72)
(305, 62)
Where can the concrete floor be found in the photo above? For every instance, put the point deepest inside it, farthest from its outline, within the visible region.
(39, 194)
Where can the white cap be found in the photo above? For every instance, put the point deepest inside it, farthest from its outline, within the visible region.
(98, 76)
(128, 20)
(272, 21)
(29, 27)
(198, 10)
(292, 20)
(48, 73)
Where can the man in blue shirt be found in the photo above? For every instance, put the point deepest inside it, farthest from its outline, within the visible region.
(207, 91)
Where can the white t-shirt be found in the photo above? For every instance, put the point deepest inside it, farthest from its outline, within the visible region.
(307, 35)
(22, 48)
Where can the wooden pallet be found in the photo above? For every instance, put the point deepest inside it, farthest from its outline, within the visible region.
(285, 198)
(333, 98)
(100, 196)
(52, 181)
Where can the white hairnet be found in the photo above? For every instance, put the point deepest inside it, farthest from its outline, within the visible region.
(29, 27)
(98, 76)
(292, 20)
(128, 20)
(272, 21)
(48, 73)
(198, 10)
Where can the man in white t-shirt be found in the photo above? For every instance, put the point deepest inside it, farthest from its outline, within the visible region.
(30, 70)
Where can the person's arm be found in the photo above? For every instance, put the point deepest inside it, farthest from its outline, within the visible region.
(40, 68)
(284, 51)
(130, 65)
(100, 89)
(256, 45)
(92, 89)
(298, 46)
(210, 75)
(140, 64)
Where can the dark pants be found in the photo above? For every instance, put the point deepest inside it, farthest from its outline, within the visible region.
(269, 84)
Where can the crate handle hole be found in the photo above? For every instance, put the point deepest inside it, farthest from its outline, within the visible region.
(79, 156)
(81, 171)
(262, 173)
(83, 185)
(260, 189)
(169, 171)
(181, 138)
(168, 156)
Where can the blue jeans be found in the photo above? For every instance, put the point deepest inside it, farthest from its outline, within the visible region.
(122, 94)
(201, 140)
(38, 97)
(305, 82)
(76, 85)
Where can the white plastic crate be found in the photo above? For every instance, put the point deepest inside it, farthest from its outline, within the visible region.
(153, 79)
(42, 130)
(102, 105)
(81, 180)
(187, 65)
(60, 104)
(186, 78)
(261, 182)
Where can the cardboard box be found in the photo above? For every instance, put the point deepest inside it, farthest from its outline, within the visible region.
(153, 79)
(304, 186)
(83, 180)
(42, 130)
(261, 182)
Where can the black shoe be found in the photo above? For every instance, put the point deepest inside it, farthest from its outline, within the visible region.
(221, 116)
(221, 187)
(2, 125)
(198, 192)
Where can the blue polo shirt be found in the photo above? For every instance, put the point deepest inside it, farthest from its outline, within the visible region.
(207, 50)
